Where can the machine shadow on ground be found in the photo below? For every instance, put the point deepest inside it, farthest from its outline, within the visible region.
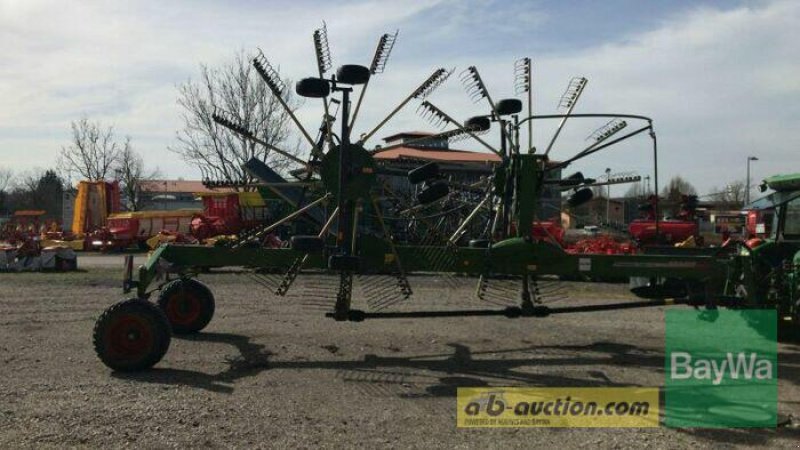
(448, 371)
(445, 372)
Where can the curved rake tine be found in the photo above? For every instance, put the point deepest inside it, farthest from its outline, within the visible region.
(475, 87)
(602, 134)
(379, 60)
(322, 50)
(568, 100)
(439, 113)
(271, 76)
(425, 89)
(324, 62)
(432, 115)
(523, 84)
(227, 120)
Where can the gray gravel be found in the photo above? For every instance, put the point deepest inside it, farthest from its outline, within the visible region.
(273, 373)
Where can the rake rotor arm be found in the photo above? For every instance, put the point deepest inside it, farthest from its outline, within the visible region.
(268, 75)
(382, 52)
(523, 75)
(249, 135)
(432, 82)
(460, 125)
(323, 55)
(475, 86)
(292, 215)
(572, 102)
(595, 149)
(460, 231)
(389, 239)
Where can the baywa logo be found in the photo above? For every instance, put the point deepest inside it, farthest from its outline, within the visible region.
(742, 366)
(721, 369)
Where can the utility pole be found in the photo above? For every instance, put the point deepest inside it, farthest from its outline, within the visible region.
(747, 185)
(608, 196)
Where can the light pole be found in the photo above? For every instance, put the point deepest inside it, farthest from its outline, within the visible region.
(608, 195)
(747, 185)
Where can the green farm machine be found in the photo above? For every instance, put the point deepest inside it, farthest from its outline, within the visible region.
(365, 232)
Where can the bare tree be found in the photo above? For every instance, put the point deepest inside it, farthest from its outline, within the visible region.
(39, 189)
(130, 172)
(6, 179)
(676, 187)
(673, 194)
(237, 89)
(732, 195)
(93, 151)
(636, 190)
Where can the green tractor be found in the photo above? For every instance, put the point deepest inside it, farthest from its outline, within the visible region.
(766, 272)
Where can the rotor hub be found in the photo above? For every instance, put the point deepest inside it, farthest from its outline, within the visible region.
(359, 176)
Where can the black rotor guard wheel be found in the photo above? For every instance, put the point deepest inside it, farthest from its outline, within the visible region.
(131, 335)
(188, 305)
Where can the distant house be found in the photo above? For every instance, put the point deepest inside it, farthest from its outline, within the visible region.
(404, 151)
(409, 150)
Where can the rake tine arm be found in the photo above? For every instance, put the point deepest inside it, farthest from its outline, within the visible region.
(271, 77)
(432, 82)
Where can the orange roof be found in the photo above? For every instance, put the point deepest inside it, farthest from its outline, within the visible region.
(30, 213)
(179, 186)
(436, 155)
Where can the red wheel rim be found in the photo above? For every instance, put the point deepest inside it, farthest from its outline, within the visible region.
(129, 336)
(183, 308)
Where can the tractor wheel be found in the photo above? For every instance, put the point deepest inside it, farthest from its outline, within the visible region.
(188, 305)
(131, 335)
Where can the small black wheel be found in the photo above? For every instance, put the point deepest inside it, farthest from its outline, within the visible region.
(352, 74)
(307, 244)
(433, 192)
(188, 305)
(423, 173)
(131, 335)
(479, 243)
(508, 106)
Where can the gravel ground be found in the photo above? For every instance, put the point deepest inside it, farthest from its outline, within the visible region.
(273, 373)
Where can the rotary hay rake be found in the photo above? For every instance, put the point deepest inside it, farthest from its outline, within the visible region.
(370, 237)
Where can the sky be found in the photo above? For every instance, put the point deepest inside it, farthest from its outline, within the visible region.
(718, 78)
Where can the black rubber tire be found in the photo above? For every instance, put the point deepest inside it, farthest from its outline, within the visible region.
(479, 243)
(307, 244)
(312, 88)
(187, 304)
(478, 124)
(423, 173)
(131, 335)
(352, 74)
(434, 192)
(580, 197)
(508, 106)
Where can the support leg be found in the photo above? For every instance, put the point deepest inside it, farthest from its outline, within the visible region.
(343, 297)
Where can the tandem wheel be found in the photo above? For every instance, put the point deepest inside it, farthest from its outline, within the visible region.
(131, 335)
(188, 305)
